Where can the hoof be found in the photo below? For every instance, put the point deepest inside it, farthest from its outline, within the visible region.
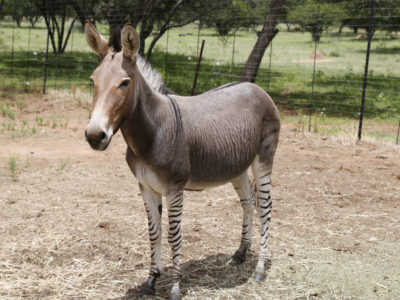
(259, 277)
(239, 257)
(146, 290)
(175, 297)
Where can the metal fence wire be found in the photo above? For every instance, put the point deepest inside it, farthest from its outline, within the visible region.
(329, 59)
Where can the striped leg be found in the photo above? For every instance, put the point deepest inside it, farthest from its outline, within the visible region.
(262, 176)
(243, 189)
(175, 205)
(152, 203)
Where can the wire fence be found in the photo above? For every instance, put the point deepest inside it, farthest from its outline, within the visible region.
(350, 71)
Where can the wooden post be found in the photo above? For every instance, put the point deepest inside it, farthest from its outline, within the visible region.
(197, 68)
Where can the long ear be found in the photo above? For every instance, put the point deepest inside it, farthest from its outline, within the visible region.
(95, 40)
(130, 41)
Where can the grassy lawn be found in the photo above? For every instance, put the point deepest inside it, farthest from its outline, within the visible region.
(337, 81)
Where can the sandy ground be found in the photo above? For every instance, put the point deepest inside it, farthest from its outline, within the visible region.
(73, 225)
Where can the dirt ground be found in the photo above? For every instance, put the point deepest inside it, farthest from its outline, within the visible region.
(73, 225)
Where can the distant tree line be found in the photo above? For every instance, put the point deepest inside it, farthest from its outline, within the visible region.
(155, 17)
(316, 16)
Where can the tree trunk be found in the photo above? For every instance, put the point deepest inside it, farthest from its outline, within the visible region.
(316, 33)
(18, 20)
(145, 31)
(268, 32)
(288, 26)
(1, 5)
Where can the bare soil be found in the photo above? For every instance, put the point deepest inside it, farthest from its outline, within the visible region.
(73, 225)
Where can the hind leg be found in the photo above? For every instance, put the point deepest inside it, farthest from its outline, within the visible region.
(262, 176)
(243, 189)
(262, 169)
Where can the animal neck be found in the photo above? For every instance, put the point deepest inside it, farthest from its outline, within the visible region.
(140, 128)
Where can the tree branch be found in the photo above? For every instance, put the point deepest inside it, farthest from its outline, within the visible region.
(68, 35)
(167, 26)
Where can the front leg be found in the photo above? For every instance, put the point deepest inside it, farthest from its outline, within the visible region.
(152, 203)
(175, 205)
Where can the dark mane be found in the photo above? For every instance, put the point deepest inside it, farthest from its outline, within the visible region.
(115, 39)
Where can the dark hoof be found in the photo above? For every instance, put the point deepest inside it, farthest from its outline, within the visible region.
(259, 277)
(147, 290)
(239, 258)
(175, 297)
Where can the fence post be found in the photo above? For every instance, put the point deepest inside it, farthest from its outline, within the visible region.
(198, 38)
(197, 68)
(46, 63)
(12, 55)
(313, 78)
(269, 64)
(27, 60)
(398, 133)
(233, 54)
(56, 73)
(365, 78)
(166, 58)
(70, 77)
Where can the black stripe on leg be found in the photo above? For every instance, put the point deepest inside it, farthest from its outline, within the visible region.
(265, 175)
(265, 192)
(171, 236)
(264, 215)
(266, 220)
(175, 216)
(265, 231)
(266, 207)
(175, 240)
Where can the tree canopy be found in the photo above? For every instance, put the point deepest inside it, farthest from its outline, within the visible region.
(316, 16)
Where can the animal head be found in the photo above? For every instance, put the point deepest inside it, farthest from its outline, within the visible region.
(113, 84)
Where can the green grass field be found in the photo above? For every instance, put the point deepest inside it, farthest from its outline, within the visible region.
(337, 81)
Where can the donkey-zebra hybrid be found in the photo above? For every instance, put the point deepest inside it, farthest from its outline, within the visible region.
(176, 143)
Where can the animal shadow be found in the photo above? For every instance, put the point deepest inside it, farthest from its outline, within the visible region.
(213, 272)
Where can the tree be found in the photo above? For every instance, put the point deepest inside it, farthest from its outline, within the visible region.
(316, 16)
(14, 10)
(265, 37)
(152, 16)
(56, 14)
(386, 15)
(232, 15)
(178, 15)
(1, 5)
(18, 10)
(287, 6)
(86, 10)
(31, 12)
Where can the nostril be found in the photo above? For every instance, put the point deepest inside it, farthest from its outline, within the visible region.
(102, 136)
(86, 135)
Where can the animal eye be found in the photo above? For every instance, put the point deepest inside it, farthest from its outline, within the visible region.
(125, 83)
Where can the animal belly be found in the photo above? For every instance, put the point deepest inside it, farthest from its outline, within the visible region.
(199, 186)
(211, 173)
